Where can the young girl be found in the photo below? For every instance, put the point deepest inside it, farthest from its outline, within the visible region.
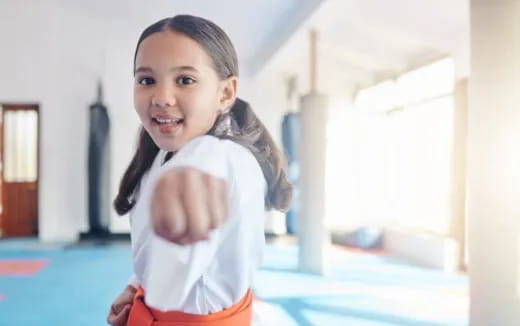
(198, 185)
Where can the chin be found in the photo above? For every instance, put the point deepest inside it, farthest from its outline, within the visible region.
(168, 146)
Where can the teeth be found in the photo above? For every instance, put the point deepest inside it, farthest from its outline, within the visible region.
(167, 120)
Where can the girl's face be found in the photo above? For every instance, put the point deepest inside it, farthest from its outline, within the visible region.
(177, 92)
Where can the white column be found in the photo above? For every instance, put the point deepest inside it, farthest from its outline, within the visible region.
(493, 180)
(313, 236)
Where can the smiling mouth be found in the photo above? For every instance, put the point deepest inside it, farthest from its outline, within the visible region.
(167, 125)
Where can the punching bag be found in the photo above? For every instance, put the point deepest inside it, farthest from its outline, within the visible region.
(99, 168)
(290, 141)
(290, 137)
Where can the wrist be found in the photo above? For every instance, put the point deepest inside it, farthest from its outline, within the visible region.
(131, 287)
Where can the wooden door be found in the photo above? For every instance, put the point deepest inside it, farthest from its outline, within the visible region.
(19, 152)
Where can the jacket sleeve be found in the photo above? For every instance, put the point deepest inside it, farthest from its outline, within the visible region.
(172, 270)
(133, 281)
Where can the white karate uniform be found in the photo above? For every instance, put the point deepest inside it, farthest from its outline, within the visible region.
(212, 275)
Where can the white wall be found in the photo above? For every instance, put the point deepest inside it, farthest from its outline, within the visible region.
(266, 94)
(428, 250)
(37, 68)
(53, 55)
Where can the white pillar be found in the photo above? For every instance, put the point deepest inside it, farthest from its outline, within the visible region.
(313, 236)
(493, 180)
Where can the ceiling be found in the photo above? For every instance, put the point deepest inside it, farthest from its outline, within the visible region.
(257, 27)
(360, 41)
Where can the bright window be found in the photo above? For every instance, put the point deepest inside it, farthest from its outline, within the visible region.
(398, 139)
(20, 146)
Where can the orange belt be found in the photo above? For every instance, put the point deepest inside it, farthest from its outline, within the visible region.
(239, 314)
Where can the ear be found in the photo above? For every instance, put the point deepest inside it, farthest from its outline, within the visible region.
(228, 93)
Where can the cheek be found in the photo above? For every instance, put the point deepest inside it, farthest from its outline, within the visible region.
(205, 108)
(140, 104)
(203, 117)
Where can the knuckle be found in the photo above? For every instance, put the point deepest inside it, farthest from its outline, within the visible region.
(209, 180)
(190, 173)
(168, 227)
(160, 225)
(199, 225)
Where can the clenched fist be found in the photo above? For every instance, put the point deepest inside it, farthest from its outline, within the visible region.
(120, 309)
(187, 204)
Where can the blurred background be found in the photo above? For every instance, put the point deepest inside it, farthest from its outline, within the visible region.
(400, 121)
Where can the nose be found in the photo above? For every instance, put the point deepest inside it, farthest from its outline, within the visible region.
(163, 97)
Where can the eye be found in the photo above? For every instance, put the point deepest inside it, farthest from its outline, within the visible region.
(185, 80)
(146, 81)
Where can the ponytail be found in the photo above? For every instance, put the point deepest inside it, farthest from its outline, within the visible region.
(242, 126)
(141, 162)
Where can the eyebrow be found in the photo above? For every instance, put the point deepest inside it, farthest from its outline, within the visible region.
(180, 68)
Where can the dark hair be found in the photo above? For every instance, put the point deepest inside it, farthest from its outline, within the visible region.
(239, 124)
